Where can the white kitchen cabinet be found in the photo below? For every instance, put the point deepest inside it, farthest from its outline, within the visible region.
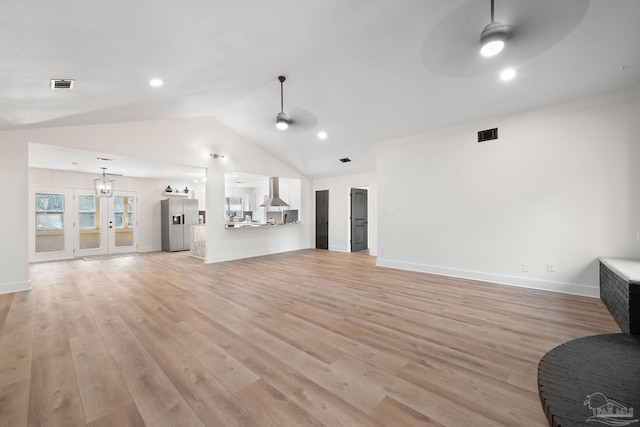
(290, 193)
(294, 199)
(247, 201)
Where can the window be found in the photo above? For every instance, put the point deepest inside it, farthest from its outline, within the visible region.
(49, 212)
(123, 208)
(130, 207)
(87, 211)
(118, 211)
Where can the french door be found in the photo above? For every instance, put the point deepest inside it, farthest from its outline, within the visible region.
(105, 225)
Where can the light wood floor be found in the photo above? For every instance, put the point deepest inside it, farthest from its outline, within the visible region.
(303, 338)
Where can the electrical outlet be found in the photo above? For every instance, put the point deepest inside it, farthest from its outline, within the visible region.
(525, 268)
(551, 267)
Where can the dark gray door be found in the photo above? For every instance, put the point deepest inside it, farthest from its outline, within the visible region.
(322, 219)
(359, 220)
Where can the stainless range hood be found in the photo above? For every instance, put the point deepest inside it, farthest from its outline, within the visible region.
(274, 194)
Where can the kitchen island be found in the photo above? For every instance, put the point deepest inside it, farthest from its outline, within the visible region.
(198, 241)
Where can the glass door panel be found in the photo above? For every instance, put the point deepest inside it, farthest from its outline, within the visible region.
(124, 223)
(49, 222)
(89, 226)
(105, 225)
(90, 236)
(51, 231)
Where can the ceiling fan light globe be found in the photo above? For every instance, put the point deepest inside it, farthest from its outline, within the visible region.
(282, 121)
(492, 48)
(492, 39)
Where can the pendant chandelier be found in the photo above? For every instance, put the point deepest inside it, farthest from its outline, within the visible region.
(103, 185)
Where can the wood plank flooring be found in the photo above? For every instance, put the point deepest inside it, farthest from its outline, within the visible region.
(304, 338)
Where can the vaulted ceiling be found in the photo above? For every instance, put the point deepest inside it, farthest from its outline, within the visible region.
(363, 71)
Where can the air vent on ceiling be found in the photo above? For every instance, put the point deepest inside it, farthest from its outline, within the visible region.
(487, 135)
(345, 160)
(62, 83)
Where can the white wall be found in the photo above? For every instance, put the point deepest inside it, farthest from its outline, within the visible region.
(339, 209)
(225, 244)
(190, 142)
(560, 185)
(14, 253)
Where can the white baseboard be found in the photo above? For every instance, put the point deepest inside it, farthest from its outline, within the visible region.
(8, 288)
(150, 249)
(523, 282)
(336, 248)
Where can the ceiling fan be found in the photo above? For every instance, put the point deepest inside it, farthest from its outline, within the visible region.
(524, 28)
(299, 121)
(282, 119)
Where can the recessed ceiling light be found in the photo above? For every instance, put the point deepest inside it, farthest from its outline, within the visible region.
(508, 74)
(156, 82)
(345, 160)
(322, 135)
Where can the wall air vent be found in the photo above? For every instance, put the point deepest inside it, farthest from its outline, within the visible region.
(487, 135)
(345, 160)
(62, 83)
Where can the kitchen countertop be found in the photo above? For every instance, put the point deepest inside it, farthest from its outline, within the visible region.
(238, 225)
(627, 269)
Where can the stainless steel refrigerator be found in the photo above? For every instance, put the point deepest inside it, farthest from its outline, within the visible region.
(178, 215)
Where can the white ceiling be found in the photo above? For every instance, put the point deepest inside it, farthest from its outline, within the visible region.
(45, 156)
(365, 71)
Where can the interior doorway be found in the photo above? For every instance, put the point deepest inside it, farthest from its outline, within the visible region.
(322, 219)
(105, 225)
(359, 220)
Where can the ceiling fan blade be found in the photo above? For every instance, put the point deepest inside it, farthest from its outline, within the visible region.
(301, 120)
